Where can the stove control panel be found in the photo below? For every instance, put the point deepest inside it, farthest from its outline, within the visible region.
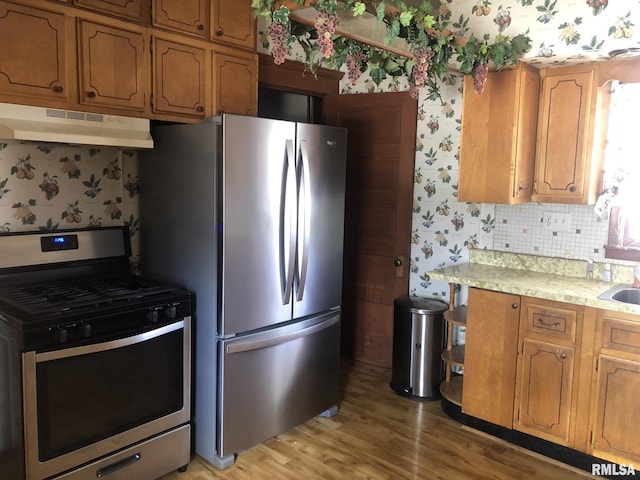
(107, 327)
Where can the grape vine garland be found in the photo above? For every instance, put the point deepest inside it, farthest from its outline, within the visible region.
(432, 52)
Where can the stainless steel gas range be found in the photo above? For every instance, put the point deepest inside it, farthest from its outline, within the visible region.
(95, 363)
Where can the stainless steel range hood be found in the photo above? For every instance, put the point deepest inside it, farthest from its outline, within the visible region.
(47, 125)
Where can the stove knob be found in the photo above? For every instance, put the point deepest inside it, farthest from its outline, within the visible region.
(152, 316)
(85, 330)
(170, 312)
(61, 335)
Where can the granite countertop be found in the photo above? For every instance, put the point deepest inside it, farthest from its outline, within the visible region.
(540, 277)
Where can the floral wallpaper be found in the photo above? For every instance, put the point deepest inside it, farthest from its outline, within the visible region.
(54, 187)
(443, 229)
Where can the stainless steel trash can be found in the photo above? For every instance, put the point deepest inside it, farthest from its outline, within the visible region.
(418, 341)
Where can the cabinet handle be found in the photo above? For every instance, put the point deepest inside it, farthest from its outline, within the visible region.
(572, 188)
(58, 89)
(200, 27)
(522, 188)
(563, 356)
(548, 324)
(91, 94)
(220, 32)
(200, 109)
(514, 305)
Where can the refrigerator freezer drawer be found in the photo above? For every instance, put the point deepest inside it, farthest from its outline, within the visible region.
(275, 380)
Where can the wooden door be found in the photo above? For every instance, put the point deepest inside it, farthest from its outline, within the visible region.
(179, 79)
(235, 83)
(186, 16)
(545, 387)
(617, 404)
(34, 54)
(563, 136)
(491, 351)
(381, 134)
(113, 67)
(233, 22)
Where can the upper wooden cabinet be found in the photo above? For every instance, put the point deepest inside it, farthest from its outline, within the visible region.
(185, 16)
(571, 135)
(136, 10)
(233, 22)
(490, 353)
(235, 83)
(113, 66)
(36, 56)
(179, 78)
(79, 56)
(497, 149)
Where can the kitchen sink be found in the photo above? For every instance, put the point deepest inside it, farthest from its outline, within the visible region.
(622, 293)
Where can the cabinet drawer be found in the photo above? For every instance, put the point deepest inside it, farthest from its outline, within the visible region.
(620, 335)
(551, 319)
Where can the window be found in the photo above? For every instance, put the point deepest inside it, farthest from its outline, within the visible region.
(622, 173)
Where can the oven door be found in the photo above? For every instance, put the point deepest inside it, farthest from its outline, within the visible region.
(85, 402)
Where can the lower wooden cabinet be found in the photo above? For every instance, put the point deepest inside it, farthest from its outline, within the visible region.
(615, 436)
(526, 368)
(546, 399)
(546, 382)
(490, 352)
(617, 399)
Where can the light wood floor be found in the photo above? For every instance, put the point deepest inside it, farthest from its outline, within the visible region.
(379, 435)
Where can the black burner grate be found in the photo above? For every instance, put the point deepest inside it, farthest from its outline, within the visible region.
(78, 293)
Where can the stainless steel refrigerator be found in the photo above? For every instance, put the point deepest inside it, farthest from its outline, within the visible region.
(248, 214)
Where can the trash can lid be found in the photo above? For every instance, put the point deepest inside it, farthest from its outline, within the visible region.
(421, 305)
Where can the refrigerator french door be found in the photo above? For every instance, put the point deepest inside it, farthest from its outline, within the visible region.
(248, 213)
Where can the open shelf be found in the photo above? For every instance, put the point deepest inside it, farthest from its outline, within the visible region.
(457, 316)
(452, 390)
(455, 356)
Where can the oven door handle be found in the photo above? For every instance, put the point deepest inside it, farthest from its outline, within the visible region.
(111, 345)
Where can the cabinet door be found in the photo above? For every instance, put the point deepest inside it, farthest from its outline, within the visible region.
(617, 399)
(232, 22)
(112, 67)
(179, 79)
(545, 385)
(497, 149)
(235, 84)
(130, 9)
(490, 356)
(185, 16)
(563, 153)
(34, 53)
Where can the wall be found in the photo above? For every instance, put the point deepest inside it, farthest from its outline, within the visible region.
(55, 186)
(444, 229)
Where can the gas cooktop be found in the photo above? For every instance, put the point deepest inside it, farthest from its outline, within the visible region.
(69, 295)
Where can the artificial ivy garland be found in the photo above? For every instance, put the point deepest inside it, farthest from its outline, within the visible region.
(432, 47)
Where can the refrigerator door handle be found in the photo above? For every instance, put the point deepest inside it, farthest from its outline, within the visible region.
(288, 226)
(248, 345)
(304, 218)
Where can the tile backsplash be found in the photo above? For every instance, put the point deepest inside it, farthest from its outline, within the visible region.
(58, 186)
(527, 229)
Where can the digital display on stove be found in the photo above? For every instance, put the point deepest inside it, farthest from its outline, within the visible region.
(56, 243)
